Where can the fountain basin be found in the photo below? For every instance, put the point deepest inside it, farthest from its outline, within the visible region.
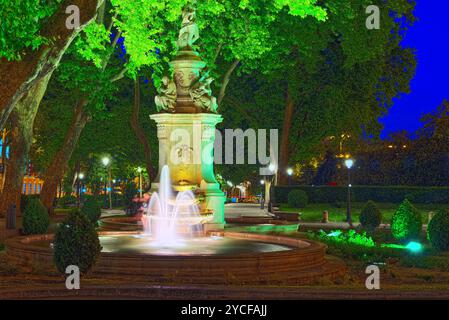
(268, 260)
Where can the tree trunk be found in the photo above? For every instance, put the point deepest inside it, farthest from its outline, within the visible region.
(140, 134)
(22, 119)
(58, 165)
(40, 64)
(226, 80)
(285, 141)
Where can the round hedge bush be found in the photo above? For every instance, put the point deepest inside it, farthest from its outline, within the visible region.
(92, 210)
(298, 199)
(438, 231)
(76, 243)
(370, 217)
(35, 218)
(406, 223)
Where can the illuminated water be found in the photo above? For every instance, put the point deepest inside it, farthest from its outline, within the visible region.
(142, 244)
(169, 218)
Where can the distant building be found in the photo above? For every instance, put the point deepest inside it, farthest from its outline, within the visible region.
(32, 184)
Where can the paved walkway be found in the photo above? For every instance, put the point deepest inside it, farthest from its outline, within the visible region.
(238, 210)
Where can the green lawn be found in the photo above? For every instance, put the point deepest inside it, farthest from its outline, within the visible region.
(314, 212)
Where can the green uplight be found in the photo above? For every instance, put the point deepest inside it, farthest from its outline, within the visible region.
(414, 247)
(336, 233)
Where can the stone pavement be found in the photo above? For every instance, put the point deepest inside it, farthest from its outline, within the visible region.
(232, 210)
(238, 210)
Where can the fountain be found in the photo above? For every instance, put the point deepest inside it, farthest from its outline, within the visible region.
(169, 219)
(181, 237)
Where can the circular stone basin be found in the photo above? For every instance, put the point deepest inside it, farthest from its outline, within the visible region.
(222, 258)
(205, 246)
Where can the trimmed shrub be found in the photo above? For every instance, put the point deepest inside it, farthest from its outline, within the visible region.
(66, 201)
(370, 217)
(92, 210)
(406, 223)
(379, 194)
(35, 218)
(438, 231)
(129, 193)
(25, 200)
(298, 199)
(76, 243)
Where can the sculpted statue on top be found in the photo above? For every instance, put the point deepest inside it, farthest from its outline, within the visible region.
(189, 32)
(201, 94)
(166, 100)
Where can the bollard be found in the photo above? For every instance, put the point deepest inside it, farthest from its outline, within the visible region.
(11, 218)
(325, 217)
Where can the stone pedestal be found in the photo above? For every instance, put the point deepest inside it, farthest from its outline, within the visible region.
(186, 146)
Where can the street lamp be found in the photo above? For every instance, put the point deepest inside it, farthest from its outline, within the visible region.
(289, 173)
(139, 170)
(262, 198)
(349, 163)
(79, 181)
(106, 162)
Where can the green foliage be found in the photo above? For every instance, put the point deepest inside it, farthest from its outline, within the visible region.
(298, 199)
(25, 200)
(35, 218)
(438, 231)
(350, 237)
(66, 201)
(370, 217)
(379, 194)
(76, 243)
(92, 45)
(129, 193)
(92, 210)
(20, 24)
(352, 245)
(406, 223)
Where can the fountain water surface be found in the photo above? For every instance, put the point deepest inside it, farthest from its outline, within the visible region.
(169, 218)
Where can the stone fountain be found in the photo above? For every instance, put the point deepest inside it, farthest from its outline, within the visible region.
(186, 120)
(186, 204)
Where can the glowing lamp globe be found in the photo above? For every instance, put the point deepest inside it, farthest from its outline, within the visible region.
(106, 161)
(349, 163)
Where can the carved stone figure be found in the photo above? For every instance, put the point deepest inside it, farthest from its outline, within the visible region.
(201, 94)
(166, 100)
(189, 32)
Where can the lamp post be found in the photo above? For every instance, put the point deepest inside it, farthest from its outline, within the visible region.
(349, 163)
(79, 186)
(274, 180)
(289, 173)
(139, 170)
(262, 200)
(106, 162)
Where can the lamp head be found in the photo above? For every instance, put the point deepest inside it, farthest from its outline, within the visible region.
(349, 163)
(106, 161)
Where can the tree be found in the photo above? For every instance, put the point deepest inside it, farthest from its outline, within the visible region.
(351, 69)
(132, 22)
(31, 52)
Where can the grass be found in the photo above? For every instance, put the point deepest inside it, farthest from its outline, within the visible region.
(314, 212)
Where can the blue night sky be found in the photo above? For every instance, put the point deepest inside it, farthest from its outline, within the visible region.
(430, 37)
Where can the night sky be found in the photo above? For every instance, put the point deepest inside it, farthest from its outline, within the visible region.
(430, 37)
